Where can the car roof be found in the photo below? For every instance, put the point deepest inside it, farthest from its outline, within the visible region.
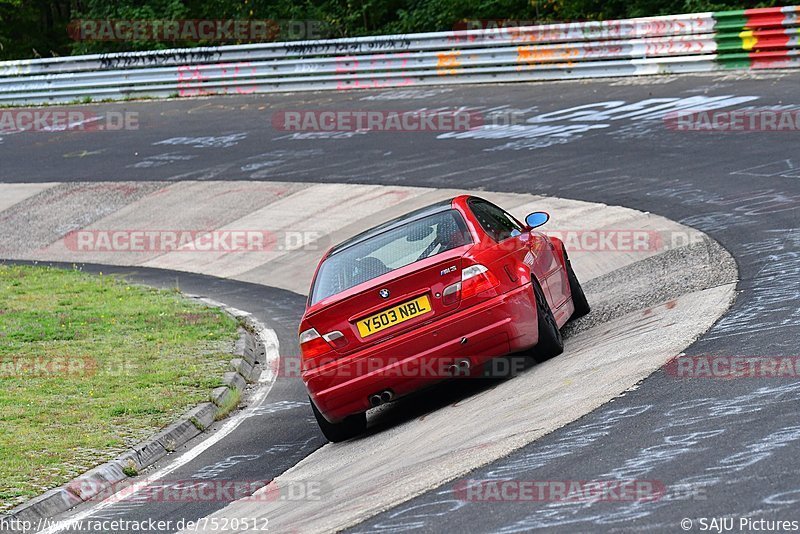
(417, 214)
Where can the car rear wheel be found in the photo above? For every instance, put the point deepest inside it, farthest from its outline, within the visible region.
(350, 427)
(578, 297)
(550, 341)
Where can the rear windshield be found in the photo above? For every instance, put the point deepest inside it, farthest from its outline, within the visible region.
(390, 250)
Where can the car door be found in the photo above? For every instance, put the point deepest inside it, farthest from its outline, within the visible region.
(518, 245)
(552, 270)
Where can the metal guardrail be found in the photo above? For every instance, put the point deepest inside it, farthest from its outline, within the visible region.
(754, 38)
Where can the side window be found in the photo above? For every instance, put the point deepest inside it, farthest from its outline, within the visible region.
(494, 221)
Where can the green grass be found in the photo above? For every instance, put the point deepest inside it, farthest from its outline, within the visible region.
(90, 365)
(230, 403)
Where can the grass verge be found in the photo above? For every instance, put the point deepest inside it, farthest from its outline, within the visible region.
(90, 365)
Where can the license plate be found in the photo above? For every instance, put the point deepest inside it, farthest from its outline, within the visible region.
(396, 315)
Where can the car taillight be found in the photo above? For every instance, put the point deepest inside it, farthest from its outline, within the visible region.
(312, 344)
(475, 279)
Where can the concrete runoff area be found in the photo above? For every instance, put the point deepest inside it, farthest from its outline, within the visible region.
(321, 214)
(608, 352)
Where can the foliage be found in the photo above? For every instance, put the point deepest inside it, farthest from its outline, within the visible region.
(38, 28)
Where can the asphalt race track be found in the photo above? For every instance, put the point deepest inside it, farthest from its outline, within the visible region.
(721, 447)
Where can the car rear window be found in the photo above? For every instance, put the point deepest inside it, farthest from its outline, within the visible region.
(390, 250)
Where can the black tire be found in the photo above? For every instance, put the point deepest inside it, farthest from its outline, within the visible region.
(550, 341)
(350, 427)
(578, 297)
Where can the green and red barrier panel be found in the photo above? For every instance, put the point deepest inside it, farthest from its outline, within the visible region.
(764, 38)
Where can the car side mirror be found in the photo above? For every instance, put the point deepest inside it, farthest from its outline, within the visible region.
(537, 219)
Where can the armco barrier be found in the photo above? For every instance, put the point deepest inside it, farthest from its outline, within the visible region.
(766, 38)
(754, 38)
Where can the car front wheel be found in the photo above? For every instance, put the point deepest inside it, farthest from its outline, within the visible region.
(550, 341)
(578, 297)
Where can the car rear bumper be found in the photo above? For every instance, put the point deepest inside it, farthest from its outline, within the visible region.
(416, 359)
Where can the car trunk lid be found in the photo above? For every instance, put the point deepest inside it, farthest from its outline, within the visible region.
(389, 305)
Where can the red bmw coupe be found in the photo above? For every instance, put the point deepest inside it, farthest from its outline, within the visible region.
(433, 294)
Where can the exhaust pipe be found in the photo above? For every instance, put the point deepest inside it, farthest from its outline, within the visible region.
(460, 368)
(376, 399)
